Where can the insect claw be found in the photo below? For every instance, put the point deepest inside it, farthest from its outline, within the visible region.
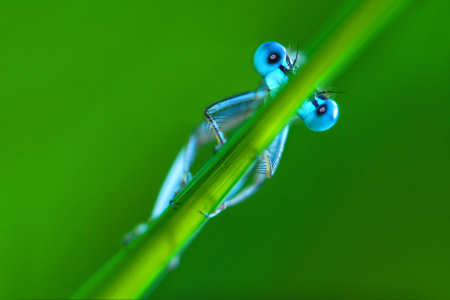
(172, 204)
(216, 148)
(206, 215)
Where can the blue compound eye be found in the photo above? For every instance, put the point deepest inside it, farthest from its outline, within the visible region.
(320, 117)
(268, 57)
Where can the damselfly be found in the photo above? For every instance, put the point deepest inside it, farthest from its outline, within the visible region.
(272, 61)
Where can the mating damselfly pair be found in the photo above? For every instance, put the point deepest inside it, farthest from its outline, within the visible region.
(272, 61)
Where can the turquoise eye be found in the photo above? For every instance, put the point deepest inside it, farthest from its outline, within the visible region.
(319, 115)
(268, 57)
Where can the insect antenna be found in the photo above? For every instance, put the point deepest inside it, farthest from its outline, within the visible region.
(296, 54)
(330, 92)
(327, 92)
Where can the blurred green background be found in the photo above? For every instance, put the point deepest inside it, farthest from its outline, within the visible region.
(97, 97)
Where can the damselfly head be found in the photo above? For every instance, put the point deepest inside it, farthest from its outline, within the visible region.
(269, 57)
(273, 63)
(320, 113)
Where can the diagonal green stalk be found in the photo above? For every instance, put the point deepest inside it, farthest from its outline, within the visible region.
(138, 267)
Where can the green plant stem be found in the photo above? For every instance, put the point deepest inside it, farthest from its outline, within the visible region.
(136, 268)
